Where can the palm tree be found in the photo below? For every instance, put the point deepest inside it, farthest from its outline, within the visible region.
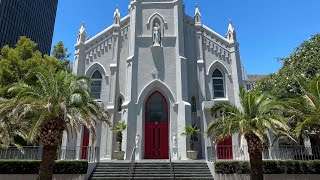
(10, 128)
(121, 126)
(59, 102)
(306, 107)
(257, 115)
(193, 132)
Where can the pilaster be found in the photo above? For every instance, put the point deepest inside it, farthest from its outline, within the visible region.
(184, 107)
(201, 73)
(129, 106)
(236, 72)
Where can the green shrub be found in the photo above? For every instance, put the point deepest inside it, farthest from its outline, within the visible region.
(270, 167)
(32, 167)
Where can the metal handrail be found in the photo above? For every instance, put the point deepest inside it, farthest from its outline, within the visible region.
(170, 161)
(132, 160)
(281, 152)
(88, 153)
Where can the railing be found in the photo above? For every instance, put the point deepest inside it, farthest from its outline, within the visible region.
(132, 160)
(170, 161)
(269, 153)
(88, 153)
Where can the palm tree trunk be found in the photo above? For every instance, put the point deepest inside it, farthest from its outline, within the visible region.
(255, 154)
(47, 163)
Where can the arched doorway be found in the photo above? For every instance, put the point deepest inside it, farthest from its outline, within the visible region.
(156, 127)
(85, 142)
(225, 149)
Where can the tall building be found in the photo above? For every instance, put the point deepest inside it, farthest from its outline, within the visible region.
(160, 70)
(32, 18)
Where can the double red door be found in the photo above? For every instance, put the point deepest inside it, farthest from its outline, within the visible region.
(156, 140)
(224, 149)
(156, 127)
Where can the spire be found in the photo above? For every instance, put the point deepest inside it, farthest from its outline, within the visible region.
(116, 15)
(231, 34)
(230, 27)
(197, 14)
(82, 28)
(82, 35)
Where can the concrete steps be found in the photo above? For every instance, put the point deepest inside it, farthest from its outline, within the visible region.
(152, 170)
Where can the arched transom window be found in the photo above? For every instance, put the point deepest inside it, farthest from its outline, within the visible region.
(218, 84)
(156, 108)
(96, 79)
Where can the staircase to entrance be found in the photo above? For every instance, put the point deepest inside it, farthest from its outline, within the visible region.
(152, 170)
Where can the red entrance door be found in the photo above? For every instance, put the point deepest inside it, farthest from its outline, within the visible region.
(156, 127)
(224, 149)
(85, 143)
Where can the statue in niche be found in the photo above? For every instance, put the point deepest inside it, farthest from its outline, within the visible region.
(156, 35)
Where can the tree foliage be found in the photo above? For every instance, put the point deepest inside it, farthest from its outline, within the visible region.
(60, 52)
(119, 128)
(58, 102)
(304, 61)
(193, 132)
(305, 109)
(16, 63)
(257, 115)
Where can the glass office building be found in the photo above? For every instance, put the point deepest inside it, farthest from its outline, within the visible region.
(32, 18)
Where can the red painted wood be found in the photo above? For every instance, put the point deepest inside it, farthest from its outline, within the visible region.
(85, 142)
(156, 133)
(224, 149)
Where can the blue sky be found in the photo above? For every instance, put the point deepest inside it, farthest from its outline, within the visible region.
(266, 29)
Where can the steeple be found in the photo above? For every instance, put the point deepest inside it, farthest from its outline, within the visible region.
(197, 15)
(82, 35)
(116, 15)
(231, 34)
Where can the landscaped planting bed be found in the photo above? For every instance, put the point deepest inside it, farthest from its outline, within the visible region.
(32, 167)
(270, 167)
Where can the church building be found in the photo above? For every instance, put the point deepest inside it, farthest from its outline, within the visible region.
(159, 70)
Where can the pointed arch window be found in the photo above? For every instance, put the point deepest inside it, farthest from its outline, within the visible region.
(218, 84)
(96, 79)
(193, 104)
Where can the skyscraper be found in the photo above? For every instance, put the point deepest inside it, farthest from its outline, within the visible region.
(32, 18)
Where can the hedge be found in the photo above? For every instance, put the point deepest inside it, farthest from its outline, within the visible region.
(269, 167)
(32, 167)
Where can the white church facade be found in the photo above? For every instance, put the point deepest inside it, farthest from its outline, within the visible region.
(159, 70)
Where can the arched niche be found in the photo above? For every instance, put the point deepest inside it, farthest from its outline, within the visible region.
(156, 17)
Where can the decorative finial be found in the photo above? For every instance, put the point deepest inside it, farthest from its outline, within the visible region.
(82, 28)
(231, 34)
(197, 14)
(116, 15)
